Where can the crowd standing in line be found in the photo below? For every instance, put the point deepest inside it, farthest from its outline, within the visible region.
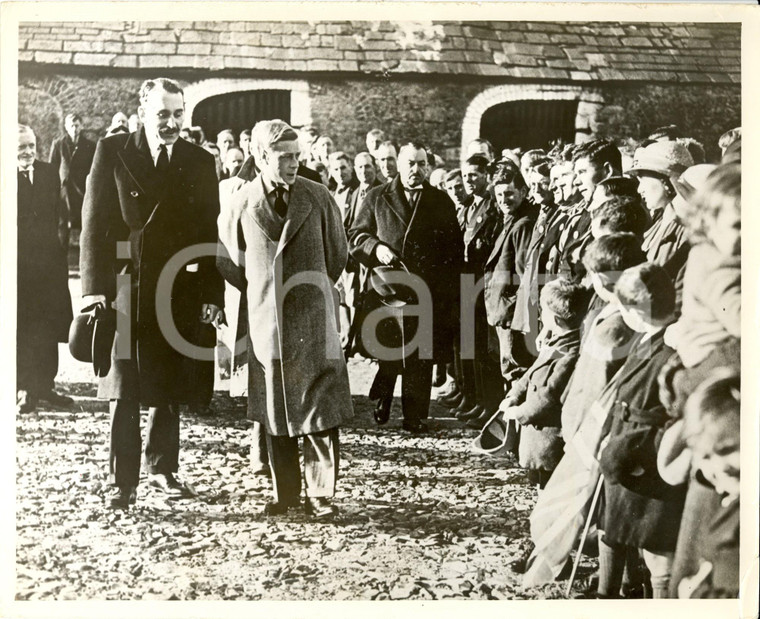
(554, 282)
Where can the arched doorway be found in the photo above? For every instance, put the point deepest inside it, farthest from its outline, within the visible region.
(240, 110)
(527, 114)
(529, 124)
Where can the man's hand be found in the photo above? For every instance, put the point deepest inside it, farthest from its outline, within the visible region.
(211, 314)
(385, 254)
(91, 299)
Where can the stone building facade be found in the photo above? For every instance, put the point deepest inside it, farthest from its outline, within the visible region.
(443, 83)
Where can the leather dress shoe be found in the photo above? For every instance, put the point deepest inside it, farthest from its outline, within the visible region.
(382, 411)
(277, 508)
(473, 413)
(465, 405)
(415, 428)
(168, 484)
(453, 400)
(261, 469)
(319, 507)
(122, 497)
(56, 399)
(477, 423)
(25, 402)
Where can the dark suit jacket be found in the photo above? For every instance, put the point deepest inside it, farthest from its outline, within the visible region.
(129, 205)
(43, 301)
(505, 266)
(428, 240)
(485, 221)
(73, 163)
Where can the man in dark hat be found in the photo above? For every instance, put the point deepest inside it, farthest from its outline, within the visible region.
(150, 210)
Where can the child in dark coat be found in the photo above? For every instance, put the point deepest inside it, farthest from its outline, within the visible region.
(534, 401)
(640, 510)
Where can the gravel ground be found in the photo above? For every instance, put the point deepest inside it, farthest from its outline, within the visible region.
(421, 517)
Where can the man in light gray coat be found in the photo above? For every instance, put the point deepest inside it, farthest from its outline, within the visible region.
(287, 233)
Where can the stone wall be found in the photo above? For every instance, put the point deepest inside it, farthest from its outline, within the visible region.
(431, 109)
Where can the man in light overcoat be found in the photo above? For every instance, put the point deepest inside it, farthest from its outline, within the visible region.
(287, 234)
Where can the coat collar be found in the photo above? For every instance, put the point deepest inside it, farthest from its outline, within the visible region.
(481, 215)
(394, 197)
(275, 229)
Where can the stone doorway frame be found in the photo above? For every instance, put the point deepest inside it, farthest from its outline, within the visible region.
(300, 101)
(589, 103)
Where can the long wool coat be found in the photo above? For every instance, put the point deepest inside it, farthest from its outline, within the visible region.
(429, 242)
(129, 204)
(44, 303)
(640, 508)
(298, 382)
(72, 162)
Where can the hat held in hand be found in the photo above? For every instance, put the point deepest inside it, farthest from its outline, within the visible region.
(91, 337)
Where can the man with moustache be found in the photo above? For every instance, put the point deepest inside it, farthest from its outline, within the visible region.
(43, 300)
(151, 198)
(71, 155)
(406, 221)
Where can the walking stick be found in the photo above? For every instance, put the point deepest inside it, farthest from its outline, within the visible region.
(585, 534)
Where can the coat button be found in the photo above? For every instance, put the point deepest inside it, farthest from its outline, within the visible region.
(133, 193)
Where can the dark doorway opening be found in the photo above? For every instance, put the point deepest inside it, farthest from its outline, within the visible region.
(529, 124)
(240, 110)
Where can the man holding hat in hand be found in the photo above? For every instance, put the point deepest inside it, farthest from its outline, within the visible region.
(148, 248)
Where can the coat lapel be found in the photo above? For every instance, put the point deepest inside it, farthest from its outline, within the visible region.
(299, 208)
(480, 217)
(499, 244)
(261, 212)
(137, 160)
(396, 200)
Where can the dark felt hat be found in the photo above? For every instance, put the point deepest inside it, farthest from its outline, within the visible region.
(387, 281)
(91, 337)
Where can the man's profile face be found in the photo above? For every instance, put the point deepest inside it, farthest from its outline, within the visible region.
(27, 148)
(280, 161)
(73, 127)
(475, 179)
(162, 114)
(386, 161)
(412, 166)
(587, 175)
(455, 189)
(365, 169)
(340, 171)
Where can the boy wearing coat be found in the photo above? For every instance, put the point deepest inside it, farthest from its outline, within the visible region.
(534, 401)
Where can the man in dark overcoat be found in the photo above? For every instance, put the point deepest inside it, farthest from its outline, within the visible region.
(71, 155)
(43, 300)
(408, 220)
(149, 241)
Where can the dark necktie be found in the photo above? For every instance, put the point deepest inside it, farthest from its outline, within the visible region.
(280, 206)
(162, 163)
(414, 197)
(25, 175)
